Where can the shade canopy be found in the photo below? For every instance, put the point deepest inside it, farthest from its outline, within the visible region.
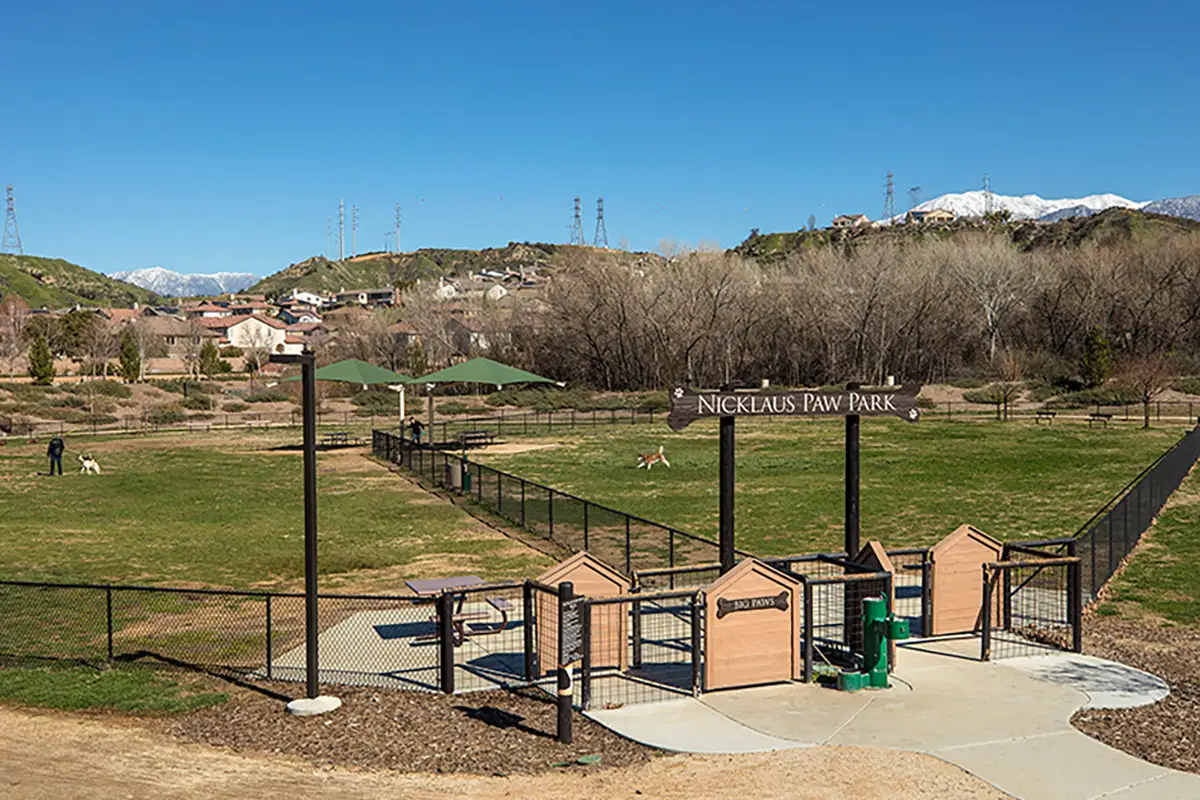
(482, 370)
(354, 371)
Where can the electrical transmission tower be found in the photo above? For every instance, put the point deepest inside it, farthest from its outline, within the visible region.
(353, 231)
(987, 195)
(397, 242)
(577, 224)
(601, 237)
(914, 197)
(12, 234)
(889, 203)
(341, 230)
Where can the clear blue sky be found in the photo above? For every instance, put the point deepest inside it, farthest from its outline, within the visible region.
(220, 135)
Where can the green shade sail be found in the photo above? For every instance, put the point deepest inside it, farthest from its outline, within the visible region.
(482, 370)
(354, 371)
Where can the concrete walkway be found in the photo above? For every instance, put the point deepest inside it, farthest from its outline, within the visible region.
(1009, 725)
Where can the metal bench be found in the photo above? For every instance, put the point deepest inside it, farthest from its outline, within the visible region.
(1099, 416)
(1045, 414)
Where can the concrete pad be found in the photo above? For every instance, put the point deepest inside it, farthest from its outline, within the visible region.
(1107, 684)
(687, 725)
(313, 706)
(1057, 766)
(795, 711)
(1171, 786)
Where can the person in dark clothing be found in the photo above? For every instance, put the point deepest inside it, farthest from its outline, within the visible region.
(55, 452)
(416, 428)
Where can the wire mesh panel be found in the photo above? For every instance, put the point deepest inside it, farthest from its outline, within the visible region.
(833, 621)
(53, 622)
(569, 518)
(640, 650)
(490, 637)
(606, 531)
(1038, 609)
(910, 586)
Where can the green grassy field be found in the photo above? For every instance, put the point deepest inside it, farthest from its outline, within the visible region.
(226, 510)
(130, 689)
(919, 482)
(1162, 578)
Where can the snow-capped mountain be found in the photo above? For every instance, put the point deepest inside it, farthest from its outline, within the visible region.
(1188, 206)
(1029, 206)
(173, 284)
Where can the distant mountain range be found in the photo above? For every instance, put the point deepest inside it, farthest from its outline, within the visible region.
(173, 284)
(1031, 206)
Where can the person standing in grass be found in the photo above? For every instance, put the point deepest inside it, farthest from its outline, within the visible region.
(55, 452)
(416, 427)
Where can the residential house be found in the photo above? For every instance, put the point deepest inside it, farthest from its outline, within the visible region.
(850, 221)
(308, 298)
(177, 335)
(266, 332)
(298, 313)
(207, 311)
(930, 216)
(248, 308)
(467, 336)
(366, 297)
(403, 334)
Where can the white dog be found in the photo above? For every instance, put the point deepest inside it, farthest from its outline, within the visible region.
(89, 465)
(648, 460)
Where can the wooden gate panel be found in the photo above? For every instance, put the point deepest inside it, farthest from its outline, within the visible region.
(751, 629)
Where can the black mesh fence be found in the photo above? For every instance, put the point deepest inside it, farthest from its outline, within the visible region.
(623, 541)
(1106, 539)
(1031, 601)
(831, 635)
(641, 649)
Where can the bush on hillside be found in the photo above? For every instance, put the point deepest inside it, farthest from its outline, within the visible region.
(1102, 395)
(267, 396)
(165, 414)
(103, 387)
(967, 383)
(1188, 385)
(376, 401)
(988, 395)
(196, 402)
(234, 407)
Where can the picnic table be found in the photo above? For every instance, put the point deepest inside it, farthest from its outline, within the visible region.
(1045, 414)
(337, 439)
(434, 587)
(1099, 416)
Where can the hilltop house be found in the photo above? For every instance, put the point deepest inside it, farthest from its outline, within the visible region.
(308, 298)
(298, 313)
(930, 216)
(850, 221)
(366, 297)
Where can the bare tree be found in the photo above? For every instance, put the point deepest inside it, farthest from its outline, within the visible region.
(256, 350)
(148, 343)
(1148, 376)
(99, 347)
(13, 314)
(192, 342)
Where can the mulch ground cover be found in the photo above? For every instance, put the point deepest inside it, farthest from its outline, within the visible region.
(487, 733)
(1167, 732)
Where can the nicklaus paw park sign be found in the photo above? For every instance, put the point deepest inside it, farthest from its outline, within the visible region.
(688, 405)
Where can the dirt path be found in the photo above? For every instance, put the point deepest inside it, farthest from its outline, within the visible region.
(60, 756)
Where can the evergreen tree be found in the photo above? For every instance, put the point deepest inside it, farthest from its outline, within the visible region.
(417, 364)
(41, 362)
(1096, 366)
(131, 359)
(210, 359)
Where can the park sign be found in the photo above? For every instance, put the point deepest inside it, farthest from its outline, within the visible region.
(688, 405)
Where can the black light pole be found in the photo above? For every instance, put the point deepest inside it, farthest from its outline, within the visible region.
(308, 382)
(852, 480)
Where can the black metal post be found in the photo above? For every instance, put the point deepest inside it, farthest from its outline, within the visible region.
(637, 632)
(1006, 588)
(527, 628)
(270, 655)
(697, 645)
(852, 519)
(808, 632)
(1075, 599)
(108, 614)
(727, 547)
(628, 548)
(985, 638)
(445, 623)
(585, 525)
(585, 670)
(566, 592)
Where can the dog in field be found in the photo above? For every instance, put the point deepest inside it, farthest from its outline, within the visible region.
(648, 460)
(88, 465)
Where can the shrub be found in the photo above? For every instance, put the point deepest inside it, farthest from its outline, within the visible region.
(28, 392)
(69, 401)
(1040, 391)
(41, 363)
(165, 414)
(989, 395)
(967, 383)
(231, 352)
(234, 407)
(1188, 385)
(456, 407)
(196, 402)
(652, 401)
(105, 387)
(267, 396)
(1102, 395)
(926, 403)
(1096, 365)
(376, 401)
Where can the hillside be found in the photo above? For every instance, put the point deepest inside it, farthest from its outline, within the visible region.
(55, 283)
(1113, 224)
(378, 270)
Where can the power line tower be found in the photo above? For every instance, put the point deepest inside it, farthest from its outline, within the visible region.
(577, 225)
(914, 197)
(601, 237)
(341, 230)
(397, 242)
(12, 234)
(987, 195)
(889, 203)
(353, 231)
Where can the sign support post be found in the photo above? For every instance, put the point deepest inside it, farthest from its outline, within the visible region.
(727, 548)
(569, 638)
(852, 494)
(312, 703)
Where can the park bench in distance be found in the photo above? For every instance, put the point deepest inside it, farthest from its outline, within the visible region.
(1045, 414)
(470, 438)
(1099, 416)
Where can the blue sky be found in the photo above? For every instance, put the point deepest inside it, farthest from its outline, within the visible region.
(220, 135)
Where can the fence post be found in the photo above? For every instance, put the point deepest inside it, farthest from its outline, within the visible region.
(527, 612)
(108, 614)
(269, 655)
(808, 631)
(585, 670)
(566, 593)
(628, 555)
(445, 623)
(697, 645)
(500, 493)
(985, 638)
(585, 524)
(926, 595)
(671, 555)
(1006, 588)
(1075, 597)
(549, 420)
(550, 510)
(522, 502)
